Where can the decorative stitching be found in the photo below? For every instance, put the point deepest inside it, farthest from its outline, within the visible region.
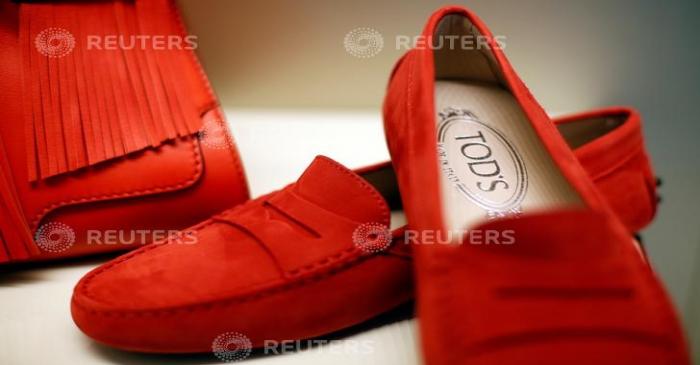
(619, 164)
(91, 275)
(127, 194)
(290, 219)
(233, 152)
(214, 104)
(326, 261)
(243, 227)
(342, 259)
(272, 288)
(380, 201)
(409, 105)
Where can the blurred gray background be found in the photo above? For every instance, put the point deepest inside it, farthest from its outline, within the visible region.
(573, 55)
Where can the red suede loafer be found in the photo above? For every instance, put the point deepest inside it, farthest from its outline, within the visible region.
(283, 266)
(540, 270)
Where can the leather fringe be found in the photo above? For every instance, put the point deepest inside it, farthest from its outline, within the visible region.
(100, 81)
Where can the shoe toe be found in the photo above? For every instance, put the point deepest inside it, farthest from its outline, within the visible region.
(127, 302)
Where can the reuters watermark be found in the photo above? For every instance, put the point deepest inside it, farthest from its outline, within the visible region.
(333, 347)
(451, 42)
(236, 346)
(451, 237)
(372, 237)
(142, 42)
(366, 42)
(140, 237)
(55, 237)
(363, 42)
(56, 42)
(232, 347)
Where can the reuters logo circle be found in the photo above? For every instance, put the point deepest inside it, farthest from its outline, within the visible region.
(232, 346)
(372, 237)
(363, 42)
(54, 42)
(55, 237)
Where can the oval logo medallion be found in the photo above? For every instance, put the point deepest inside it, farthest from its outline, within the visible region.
(480, 162)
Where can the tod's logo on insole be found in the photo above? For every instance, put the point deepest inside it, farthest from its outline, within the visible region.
(480, 162)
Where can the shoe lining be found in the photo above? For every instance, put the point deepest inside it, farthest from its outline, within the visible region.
(578, 133)
(493, 163)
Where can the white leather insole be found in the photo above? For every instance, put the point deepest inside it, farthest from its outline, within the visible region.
(493, 164)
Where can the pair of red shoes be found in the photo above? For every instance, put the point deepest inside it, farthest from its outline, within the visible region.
(520, 254)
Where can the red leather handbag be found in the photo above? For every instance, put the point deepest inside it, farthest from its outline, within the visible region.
(110, 134)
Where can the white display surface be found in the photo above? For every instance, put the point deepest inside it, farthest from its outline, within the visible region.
(35, 322)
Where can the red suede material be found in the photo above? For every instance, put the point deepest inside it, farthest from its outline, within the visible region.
(323, 303)
(322, 181)
(282, 266)
(619, 165)
(564, 292)
(167, 186)
(460, 319)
